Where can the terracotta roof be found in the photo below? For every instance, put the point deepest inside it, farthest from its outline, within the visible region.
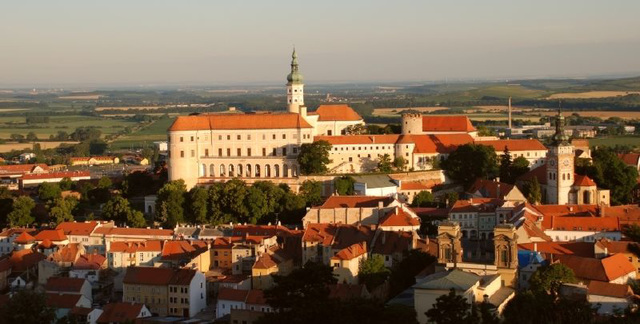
(583, 249)
(398, 217)
(490, 189)
(120, 312)
(539, 173)
(442, 143)
(419, 185)
(337, 113)
(628, 214)
(233, 294)
(68, 253)
(514, 145)
(355, 201)
(609, 289)
(583, 181)
(351, 252)
(5, 264)
(56, 300)
(55, 175)
(617, 246)
(53, 235)
(478, 205)
(81, 311)
(46, 244)
(394, 242)
(90, 262)
(587, 223)
(158, 276)
(567, 210)
(239, 121)
(133, 247)
(632, 159)
(256, 297)
(16, 231)
(265, 261)
(359, 139)
(130, 231)
(431, 212)
(24, 238)
(22, 168)
(346, 291)
(64, 284)
(77, 228)
(607, 269)
(446, 124)
(323, 233)
(182, 249)
(25, 259)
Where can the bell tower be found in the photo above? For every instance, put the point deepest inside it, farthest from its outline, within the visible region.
(449, 244)
(295, 87)
(560, 165)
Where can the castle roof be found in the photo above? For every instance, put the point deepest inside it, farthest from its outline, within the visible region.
(239, 121)
(447, 124)
(337, 113)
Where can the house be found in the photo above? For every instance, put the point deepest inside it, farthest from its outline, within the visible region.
(24, 241)
(85, 314)
(119, 234)
(320, 242)
(472, 287)
(392, 246)
(234, 299)
(66, 285)
(166, 291)
(35, 179)
(346, 263)
(482, 188)
(80, 232)
(193, 254)
(88, 267)
(399, 219)
(122, 254)
(94, 160)
(275, 261)
(113, 313)
(8, 236)
(64, 303)
(24, 263)
(365, 210)
(55, 236)
(609, 297)
(408, 190)
(631, 159)
(613, 269)
(377, 185)
(605, 247)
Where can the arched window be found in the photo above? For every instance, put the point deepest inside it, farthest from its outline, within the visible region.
(249, 171)
(285, 171)
(231, 171)
(257, 170)
(203, 170)
(212, 170)
(267, 171)
(239, 170)
(276, 169)
(222, 171)
(586, 197)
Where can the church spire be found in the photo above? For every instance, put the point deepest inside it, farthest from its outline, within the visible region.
(294, 77)
(559, 137)
(295, 86)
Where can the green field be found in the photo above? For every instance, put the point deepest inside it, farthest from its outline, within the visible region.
(615, 140)
(144, 137)
(17, 125)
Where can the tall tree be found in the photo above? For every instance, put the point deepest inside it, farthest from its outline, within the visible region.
(62, 209)
(311, 190)
(20, 214)
(198, 205)
(301, 288)
(344, 185)
(505, 165)
(116, 209)
(548, 279)
(170, 201)
(531, 190)
(518, 167)
(384, 163)
(314, 157)
(27, 306)
(105, 183)
(233, 198)
(422, 199)
(459, 168)
(66, 183)
(216, 215)
(372, 271)
(136, 219)
(48, 191)
(256, 204)
(610, 172)
(450, 309)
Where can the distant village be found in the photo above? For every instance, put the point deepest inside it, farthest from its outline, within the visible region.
(299, 208)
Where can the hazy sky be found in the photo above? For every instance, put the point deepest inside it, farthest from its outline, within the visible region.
(220, 42)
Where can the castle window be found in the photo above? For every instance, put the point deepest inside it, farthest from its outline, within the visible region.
(249, 152)
(264, 151)
(219, 152)
(329, 132)
(228, 137)
(274, 136)
(181, 153)
(284, 136)
(219, 137)
(239, 152)
(284, 151)
(193, 153)
(275, 151)
(192, 138)
(228, 152)
(181, 139)
(239, 137)
(206, 152)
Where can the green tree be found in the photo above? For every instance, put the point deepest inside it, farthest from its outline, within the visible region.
(293, 208)
(314, 157)
(344, 185)
(216, 215)
(422, 199)
(610, 172)
(519, 167)
(62, 209)
(233, 198)
(311, 191)
(459, 168)
(31, 136)
(198, 205)
(548, 279)
(372, 271)
(399, 163)
(450, 198)
(66, 183)
(384, 163)
(116, 209)
(20, 214)
(105, 183)
(274, 195)
(26, 306)
(170, 201)
(505, 166)
(256, 204)
(450, 309)
(301, 288)
(48, 191)
(135, 218)
(531, 190)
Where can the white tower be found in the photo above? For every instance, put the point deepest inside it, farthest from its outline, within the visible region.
(560, 169)
(295, 87)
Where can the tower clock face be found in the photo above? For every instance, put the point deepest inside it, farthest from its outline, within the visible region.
(552, 162)
(565, 162)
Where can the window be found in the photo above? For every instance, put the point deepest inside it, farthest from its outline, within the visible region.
(249, 152)
(264, 151)
(181, 139)
(284, 136)
(239, 137)
(206, 152)
(228, 137)
(274, 136)
(219, 152)
(220, 137)
(329, 132)
(239, 152)
(275, 151)
(284, 151)
(249, 137)
(181, 153)
(192, 138)
(228, 152)
(193, 153)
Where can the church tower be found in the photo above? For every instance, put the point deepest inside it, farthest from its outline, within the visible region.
(295, 87)
(560, 166)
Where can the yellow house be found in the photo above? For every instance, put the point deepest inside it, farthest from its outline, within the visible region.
(94, 160)
(194, 255)
(346, 263)
(274, 261)
(606, 247)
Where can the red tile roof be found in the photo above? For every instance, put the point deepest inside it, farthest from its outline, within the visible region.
(359, 139)
(583, 181)
(617, 246)
(398, 217)
(46, 244)
(55, 175)
(322, 233)
(68, 253)
(607, 269)
(182, 249)
(56, 300)
(355, 201)
(256, 297)
(617, 265)
(632, 159)
(446, 124)
(351, 252)
(490, 189)
(539, 173)
(609, 289)
(394, 242)
(583, 249)
(77, 228)
(337, 113)
(120, 313)
(233, 294)
(158, 276)
(133, 247)
(16, 231)
(265, 261)
(22, 168)
(514, 145)
(25, 259)
(129, 231)
(52, 235)
(64, 284)
(239, 121)
(585, 223)
(90, 262)
(442, 143)
(24, 238)
(419, 185)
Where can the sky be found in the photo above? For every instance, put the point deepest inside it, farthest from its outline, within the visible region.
(135, 42)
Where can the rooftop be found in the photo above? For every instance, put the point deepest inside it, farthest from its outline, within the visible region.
(239, 121)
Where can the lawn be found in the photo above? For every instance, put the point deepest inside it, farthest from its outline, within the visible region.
(615, 140)
(17, 125)
(146, 136)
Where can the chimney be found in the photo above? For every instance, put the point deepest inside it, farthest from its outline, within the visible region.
(509, 112)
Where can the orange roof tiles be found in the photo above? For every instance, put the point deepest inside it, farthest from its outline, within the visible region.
(390, 242)
(55, 175)
(359, 139)
(77, 228)
(447, 124)
(56, 300)
(158, 276)
(322, 233)
(581, 223)
(47, 244)
(24, 238)
(583, 181)
(133, 247)
(609, 289)
(514, 145)
(232, 294)
(182, 249)
(129, 231)
(64, 284)
(632, 159)
(441, 143)
(337, 113)
(355, 201)
(25, 259)
(90, 262)
(265, 261)
(22, 168)
(540, 173)
(120, 313)
(256, 297)
(491, 189)
(583, 249)
(351, 252)
(617, 246)
(607, 269)
(68, 253)
(419, 185)
(617, 266)
(398, 217)
(53, 235)
(239, 121)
